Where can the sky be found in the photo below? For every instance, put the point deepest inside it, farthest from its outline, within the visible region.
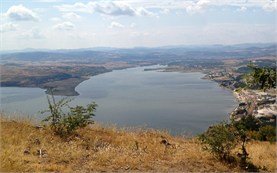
(68, 24)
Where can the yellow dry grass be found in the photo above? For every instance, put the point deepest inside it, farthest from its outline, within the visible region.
(263, 154)
(97, 148)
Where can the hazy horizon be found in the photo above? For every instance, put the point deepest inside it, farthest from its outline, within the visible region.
(146, 47)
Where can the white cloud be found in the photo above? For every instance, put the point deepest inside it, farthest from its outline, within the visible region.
(64, 26)
(143, 12)
(270, 6)
(116, 25)
(71, 16)
(133, 25)
(77, 7)
(49, 0)
(82, 36)
(21, 13)
(175, 27)
(8, 27)
(55, 19)
(231, 33)
(242, 9)
(140, 34)
(112, 8)
(165, 11)
(160, 4)
(34, 33)
(131, 7)
(39, 10)
(192, 7)
(195, 6)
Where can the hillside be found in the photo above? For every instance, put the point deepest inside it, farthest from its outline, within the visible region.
(25, 147)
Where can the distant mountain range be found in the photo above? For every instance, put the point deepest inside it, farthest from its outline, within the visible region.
(102, 54)
(244, 45)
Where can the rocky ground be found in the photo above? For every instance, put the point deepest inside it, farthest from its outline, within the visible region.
(260, 104)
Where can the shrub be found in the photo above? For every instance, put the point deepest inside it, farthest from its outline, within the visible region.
(247, 123)
(220, 140)
(267, 133)
(260, 77)
(64, 122)
(252, 128)
(242, 127)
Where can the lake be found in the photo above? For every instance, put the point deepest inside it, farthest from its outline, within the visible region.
(181, 103)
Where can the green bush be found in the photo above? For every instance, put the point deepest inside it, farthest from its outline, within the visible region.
(220, 140)
(247, 123)
(65, 120)
(260, 77)
(251, 128)
(267, 133)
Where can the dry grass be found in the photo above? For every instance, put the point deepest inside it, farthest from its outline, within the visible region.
(109, 149)
(263, 154)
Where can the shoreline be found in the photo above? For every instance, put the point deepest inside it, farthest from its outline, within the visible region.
(59, 88)
(206, 77)
(69, 90)
(66, 87)
(197, 77)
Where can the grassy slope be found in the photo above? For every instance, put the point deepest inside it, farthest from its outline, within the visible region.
(110, 149)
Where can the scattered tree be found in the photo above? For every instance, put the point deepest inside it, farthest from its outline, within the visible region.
(261, 77)
(267, 133)
(220, 140)
(64, 119)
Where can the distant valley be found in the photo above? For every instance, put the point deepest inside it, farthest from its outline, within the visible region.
(62, 70)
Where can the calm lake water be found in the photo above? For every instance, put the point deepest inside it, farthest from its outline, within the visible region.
(178, 102)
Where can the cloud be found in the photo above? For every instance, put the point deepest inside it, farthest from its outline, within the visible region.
(49, 1)
(270, 6)
(8, 27)
(35, 33)
(71, 16)
(77, 7)
(21, 13)
(165, 11)
(82, 36)
(131, 7)
(112, 8)
(64, 26)
(56, 19)
(140, 34)
(116, 25)
(242, 9)
(133, 25)
(119, 25)
(195, 6)
(192, 7)
(104, 7)
(143, 12)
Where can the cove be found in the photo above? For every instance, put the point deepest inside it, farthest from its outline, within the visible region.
(181, 103)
